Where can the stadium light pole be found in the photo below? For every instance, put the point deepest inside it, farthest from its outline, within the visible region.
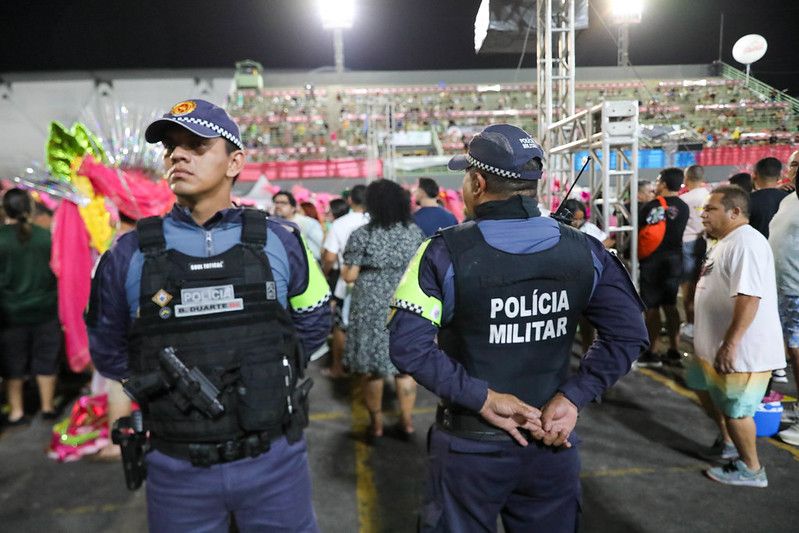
(337, 15)
(624, 13)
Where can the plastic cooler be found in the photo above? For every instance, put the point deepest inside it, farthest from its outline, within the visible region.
(767, 419)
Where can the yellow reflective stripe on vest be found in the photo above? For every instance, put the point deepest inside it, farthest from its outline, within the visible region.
(410, 296)
(317, 292)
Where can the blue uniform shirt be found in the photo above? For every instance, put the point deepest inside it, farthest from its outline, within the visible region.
(614, 309)
(300, 284)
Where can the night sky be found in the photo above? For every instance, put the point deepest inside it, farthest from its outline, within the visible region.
(388, 35)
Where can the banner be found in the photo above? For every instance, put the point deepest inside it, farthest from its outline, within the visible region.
(323, 168)
(743, 155)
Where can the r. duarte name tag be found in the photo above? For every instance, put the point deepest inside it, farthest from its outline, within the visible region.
(208, 300)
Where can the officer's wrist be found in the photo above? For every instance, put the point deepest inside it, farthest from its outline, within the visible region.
(571, 402)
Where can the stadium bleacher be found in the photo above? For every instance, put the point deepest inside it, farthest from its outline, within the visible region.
(317, 123)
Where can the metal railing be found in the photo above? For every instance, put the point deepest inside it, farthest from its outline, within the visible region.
(763, 89)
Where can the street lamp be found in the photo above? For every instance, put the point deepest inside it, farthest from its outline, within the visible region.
(624, 13)
(337, 15)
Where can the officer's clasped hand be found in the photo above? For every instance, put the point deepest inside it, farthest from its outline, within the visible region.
(558, 419)
(508, 412)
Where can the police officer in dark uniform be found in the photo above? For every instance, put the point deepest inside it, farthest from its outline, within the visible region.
(484, 317)
(206, 315)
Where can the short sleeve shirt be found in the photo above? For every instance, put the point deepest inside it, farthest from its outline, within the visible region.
(763, 204)
(740, 263)
(695, 200)
(676, 217)
(336, 241)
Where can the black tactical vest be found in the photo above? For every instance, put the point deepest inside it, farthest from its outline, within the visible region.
(516, 314)
(220, 314)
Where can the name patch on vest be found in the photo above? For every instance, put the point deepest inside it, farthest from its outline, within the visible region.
(541, 305)
(208, 300)
(207, 265)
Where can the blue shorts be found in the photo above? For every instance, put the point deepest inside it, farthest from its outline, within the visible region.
(737, 395)
(692, 254)
(789, 316)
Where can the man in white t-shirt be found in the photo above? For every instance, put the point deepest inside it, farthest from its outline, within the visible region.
(784, 241)
(736, 333)
(693, 242)
(332, 255)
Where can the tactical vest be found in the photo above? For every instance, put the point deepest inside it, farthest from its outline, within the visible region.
(220, 314)
(516, 314)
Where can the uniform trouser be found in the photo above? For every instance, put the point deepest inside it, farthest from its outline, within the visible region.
(271, 492)
(470, 483)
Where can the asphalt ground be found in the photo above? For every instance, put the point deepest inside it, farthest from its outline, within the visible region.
(643, 452)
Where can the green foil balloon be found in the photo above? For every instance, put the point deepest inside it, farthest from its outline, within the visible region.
(64, 145)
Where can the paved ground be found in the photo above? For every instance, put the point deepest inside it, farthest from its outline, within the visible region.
(643, 451)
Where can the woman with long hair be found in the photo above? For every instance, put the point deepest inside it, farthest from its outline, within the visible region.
(374, 260)
(30, 339)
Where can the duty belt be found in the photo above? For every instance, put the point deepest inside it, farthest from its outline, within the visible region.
(207, 454)
(469, 425)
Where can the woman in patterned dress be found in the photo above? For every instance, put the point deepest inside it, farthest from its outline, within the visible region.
(374, 260)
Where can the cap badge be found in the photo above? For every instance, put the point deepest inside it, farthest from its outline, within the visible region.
(183, 108)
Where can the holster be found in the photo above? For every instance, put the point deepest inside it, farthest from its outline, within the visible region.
(299, 417)
(128, 432)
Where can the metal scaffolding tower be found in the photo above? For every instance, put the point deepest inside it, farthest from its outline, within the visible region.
(555, 68)
(609, 133)
(380, 129)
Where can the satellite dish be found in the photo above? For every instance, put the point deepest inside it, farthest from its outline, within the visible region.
(748, 49)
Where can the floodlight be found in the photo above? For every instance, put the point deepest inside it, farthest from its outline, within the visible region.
(626, 11)
(336, 14)
(481, 23)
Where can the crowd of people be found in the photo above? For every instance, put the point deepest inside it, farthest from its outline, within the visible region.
(246, 299)
(317, 123)
(738, 282)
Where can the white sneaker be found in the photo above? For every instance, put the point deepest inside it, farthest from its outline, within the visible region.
(779, 376)
(687, 331)
(790, 414)
(790, 435)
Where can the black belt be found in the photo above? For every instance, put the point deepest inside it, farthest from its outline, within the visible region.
(468, 425)
(209, 453)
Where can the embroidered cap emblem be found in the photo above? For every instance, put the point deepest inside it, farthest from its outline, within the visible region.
(161, 298)
(183, 108)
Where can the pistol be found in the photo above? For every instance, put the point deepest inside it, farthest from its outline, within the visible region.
(193, 388)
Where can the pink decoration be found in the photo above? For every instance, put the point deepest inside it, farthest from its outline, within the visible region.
(48, 201)
(301, 194)
(83, 432)
(453, 202)
(71, 262)
(134, 194)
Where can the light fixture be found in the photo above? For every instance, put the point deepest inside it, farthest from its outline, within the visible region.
(336, 14)
(627, 11)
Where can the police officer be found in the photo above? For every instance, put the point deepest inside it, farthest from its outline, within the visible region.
(205, 315)
(484, 317)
